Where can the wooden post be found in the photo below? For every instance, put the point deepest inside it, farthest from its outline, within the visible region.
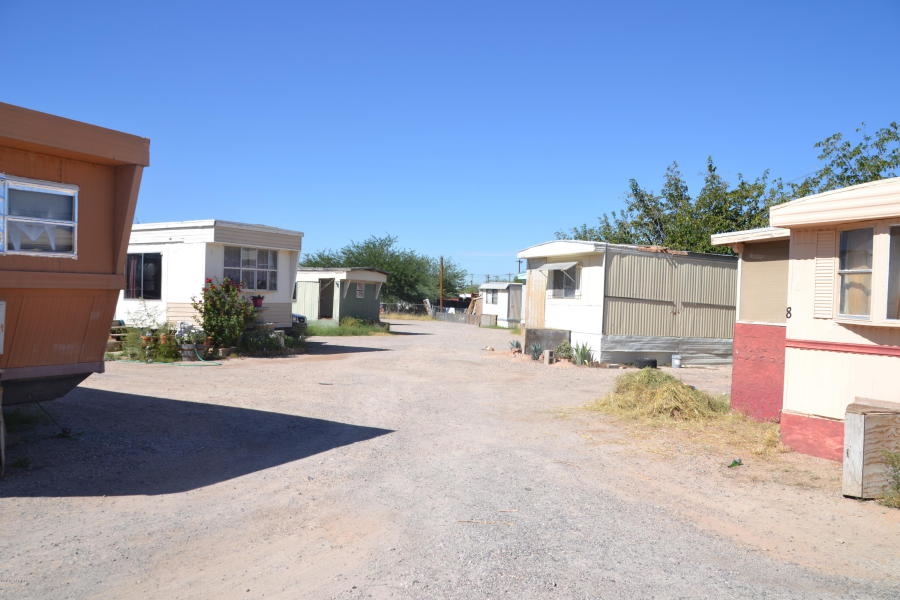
(441, 299)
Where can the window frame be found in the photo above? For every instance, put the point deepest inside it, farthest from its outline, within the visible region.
(492, 296)
(270, 268)
(568, 291)
(157, 276)
(879, 285)
(23, 184)
(845, 274)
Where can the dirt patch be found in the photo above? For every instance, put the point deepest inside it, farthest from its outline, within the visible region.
(417, 465)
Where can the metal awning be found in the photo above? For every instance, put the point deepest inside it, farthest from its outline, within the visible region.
(562, 266)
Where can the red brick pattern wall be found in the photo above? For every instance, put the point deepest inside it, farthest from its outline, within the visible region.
(757, 380)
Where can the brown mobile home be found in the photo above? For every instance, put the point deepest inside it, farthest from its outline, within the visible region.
(67, 197)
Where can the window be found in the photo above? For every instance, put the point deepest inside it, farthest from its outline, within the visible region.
(143, 276)
(564, 283)
(360, 289)
(491, 296)
(37, 217)
(255, 269)
(893, 293)
(855, 272)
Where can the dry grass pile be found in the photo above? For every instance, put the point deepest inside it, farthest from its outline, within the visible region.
(653, 396)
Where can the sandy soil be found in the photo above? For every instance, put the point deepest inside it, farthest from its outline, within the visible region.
(428, 463)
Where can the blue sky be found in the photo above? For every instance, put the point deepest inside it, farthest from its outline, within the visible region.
(468, 129)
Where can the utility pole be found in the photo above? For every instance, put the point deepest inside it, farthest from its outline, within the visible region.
(441, 299)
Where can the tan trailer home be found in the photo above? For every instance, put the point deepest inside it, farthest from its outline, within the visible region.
(631, 303)
(67, 197)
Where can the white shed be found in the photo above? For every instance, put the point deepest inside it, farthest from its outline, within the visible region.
(502, 299)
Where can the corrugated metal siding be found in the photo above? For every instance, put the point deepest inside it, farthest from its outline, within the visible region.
(307, 302)
(705, 321)
(706, 283)
(628, 316)
(638, 276)
(657, 294)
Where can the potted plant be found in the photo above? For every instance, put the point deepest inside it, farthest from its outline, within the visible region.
(257, 301)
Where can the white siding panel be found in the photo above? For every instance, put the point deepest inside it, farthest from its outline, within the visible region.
(823, 298)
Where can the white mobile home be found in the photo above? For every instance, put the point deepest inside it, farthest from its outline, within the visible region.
(632, 302)
(169, 263)
(503, 300)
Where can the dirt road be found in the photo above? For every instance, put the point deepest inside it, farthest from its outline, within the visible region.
(416, 465)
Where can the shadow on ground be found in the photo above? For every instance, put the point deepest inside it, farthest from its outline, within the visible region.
(124, 444)
(322, 347)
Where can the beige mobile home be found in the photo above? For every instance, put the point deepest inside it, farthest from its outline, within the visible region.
(632, 302)
(168, 264)
(843, 302)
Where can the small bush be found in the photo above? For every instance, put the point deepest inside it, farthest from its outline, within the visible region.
(224, 312)
(348, 326)
(582, 354)
(515, 345)
(892, 491)
(535, 351)
(563, 351)
(654, 394)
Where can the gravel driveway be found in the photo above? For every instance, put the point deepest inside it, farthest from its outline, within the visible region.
(415, 465)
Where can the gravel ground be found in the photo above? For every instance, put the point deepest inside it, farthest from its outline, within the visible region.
(415, 465)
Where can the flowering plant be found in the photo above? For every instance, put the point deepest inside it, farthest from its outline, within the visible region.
(224, 312)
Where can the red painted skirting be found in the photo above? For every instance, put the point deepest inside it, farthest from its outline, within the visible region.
(816, 436)
(757, 375)
(846, 348)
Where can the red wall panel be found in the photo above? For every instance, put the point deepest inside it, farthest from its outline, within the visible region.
(757, 380)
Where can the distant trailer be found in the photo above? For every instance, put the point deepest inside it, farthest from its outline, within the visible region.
(68, 192)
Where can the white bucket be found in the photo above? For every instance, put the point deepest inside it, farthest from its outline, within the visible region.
(676, 361)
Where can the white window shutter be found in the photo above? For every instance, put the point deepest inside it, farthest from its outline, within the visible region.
(823, 298)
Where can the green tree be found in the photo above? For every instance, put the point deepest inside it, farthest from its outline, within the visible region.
(412, 277)
(674, 219)
(873, 157)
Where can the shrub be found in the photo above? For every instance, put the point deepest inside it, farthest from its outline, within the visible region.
(224, 312)
(892, 491)
(582, 354)
(534, 351)
(563, 351)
